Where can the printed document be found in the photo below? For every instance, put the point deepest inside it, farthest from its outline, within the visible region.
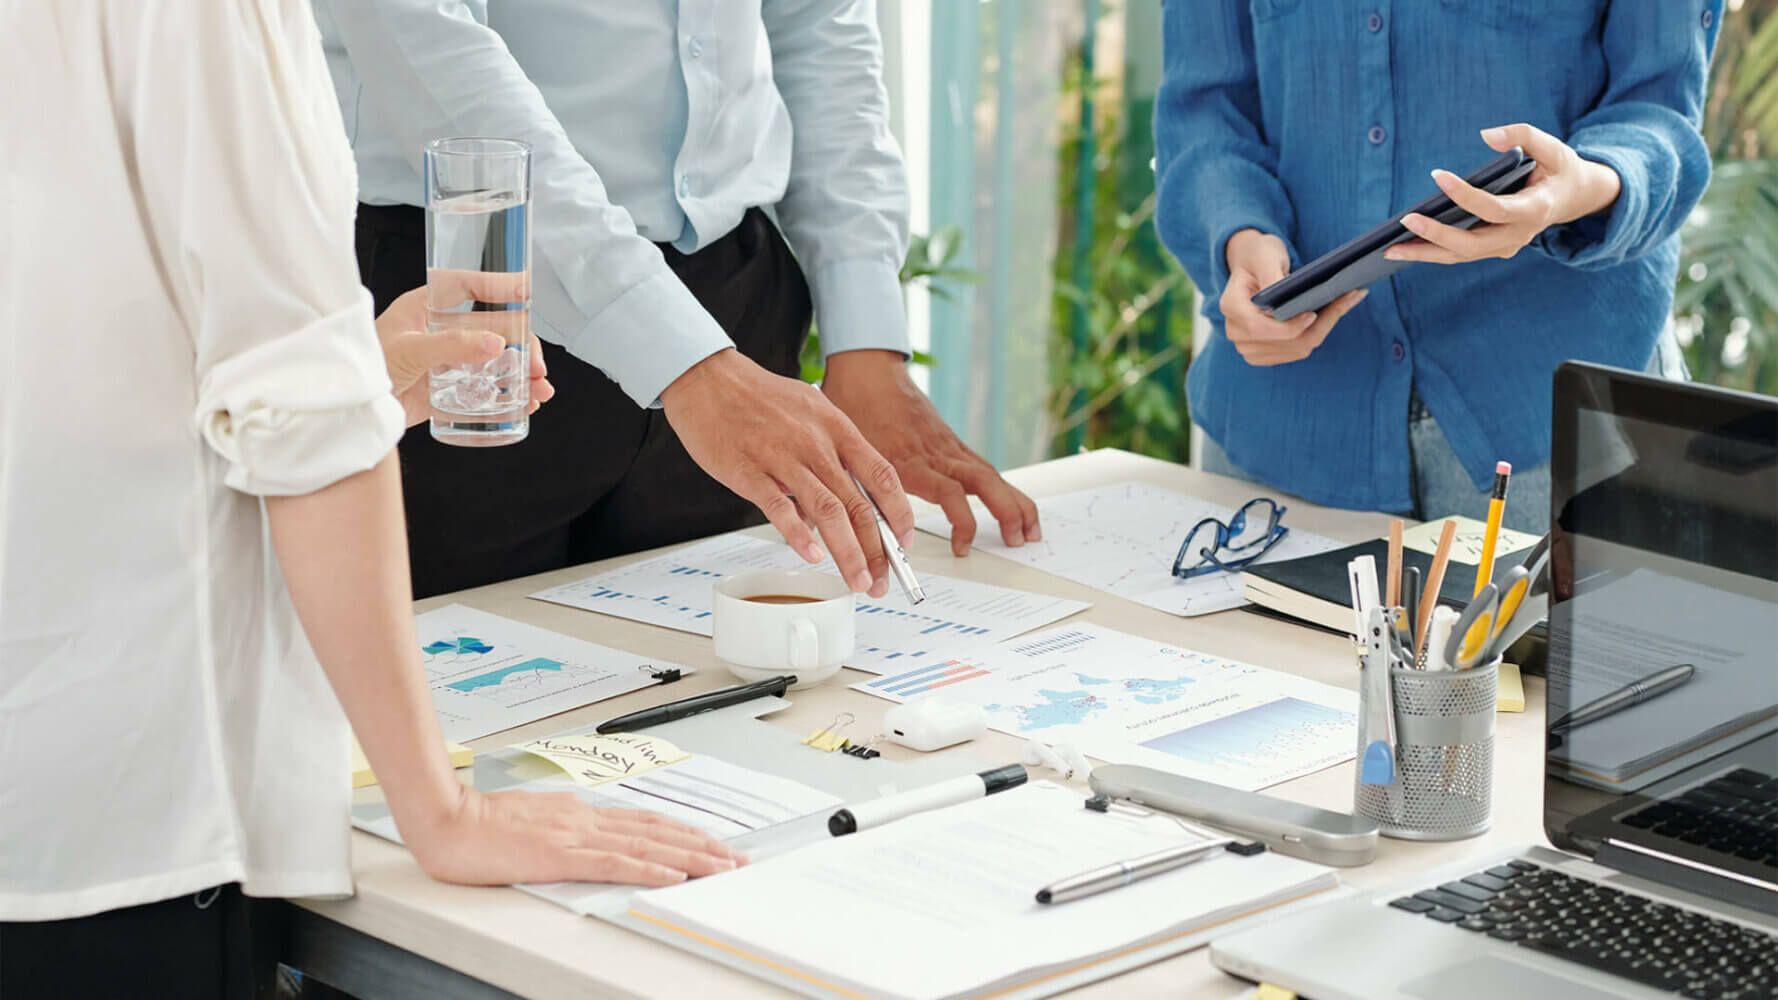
(490, 674)
(1122, 539)
(674, 591)
(1122, 698)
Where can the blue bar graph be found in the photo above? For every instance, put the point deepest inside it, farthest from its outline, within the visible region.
(494, 678)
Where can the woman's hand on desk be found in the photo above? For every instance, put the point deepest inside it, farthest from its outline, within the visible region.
(1256, 260)
(1563, 188)
(499, 838)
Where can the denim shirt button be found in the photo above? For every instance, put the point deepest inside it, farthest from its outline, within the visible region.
(1398, 351)
(1375, 22)
(1376, 135)
(1709, 18)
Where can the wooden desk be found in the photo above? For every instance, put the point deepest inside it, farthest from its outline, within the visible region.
(406, 935)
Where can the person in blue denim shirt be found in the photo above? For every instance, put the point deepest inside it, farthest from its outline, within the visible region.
(1284, 128)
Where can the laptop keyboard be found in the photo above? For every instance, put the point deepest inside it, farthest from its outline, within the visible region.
(1608, 929)
(1734, 814)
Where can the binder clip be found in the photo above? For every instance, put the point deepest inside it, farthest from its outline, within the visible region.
(666, 676)
(828, 739)
(865, 751)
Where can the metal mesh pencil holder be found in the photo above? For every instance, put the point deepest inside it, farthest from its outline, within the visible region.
(1444, 756)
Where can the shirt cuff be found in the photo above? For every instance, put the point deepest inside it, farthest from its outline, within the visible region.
(859, 307)
(302, 411)
(648, 337)
(1603, 238)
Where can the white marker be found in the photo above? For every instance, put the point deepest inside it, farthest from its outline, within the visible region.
(950, 792)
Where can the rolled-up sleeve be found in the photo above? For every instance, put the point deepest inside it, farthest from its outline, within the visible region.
(1215, 173)
(243, 159)
(1645, 127)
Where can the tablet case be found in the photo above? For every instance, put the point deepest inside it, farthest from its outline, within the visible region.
(1360, 261)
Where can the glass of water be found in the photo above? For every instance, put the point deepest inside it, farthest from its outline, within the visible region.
(478, 277)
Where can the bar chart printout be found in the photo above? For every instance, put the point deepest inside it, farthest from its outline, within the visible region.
(1130, 700)
(674, 591)
(489, 673)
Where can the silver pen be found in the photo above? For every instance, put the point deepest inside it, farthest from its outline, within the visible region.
(1633, 693)
(898, 560)
(1122, 873)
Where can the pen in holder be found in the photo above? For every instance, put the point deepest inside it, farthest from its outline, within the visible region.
(1444, 756)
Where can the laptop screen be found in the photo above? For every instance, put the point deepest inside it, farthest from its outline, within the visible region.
(1663, 664)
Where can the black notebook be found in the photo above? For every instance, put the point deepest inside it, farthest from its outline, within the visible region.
(1314, 589)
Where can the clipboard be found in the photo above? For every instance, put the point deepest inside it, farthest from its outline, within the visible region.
(1360, 261)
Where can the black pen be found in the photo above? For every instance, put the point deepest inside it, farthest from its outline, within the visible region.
(709, 701)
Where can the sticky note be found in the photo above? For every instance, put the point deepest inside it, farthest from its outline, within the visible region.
(1511, 696)
(1267, 991)
(461, 756)
(1466, 545)
(591, 759)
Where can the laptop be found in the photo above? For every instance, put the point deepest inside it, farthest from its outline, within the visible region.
(1660, 784)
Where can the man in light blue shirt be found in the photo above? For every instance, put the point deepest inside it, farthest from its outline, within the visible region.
(660, 130)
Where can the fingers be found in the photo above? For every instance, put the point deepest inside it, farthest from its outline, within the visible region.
(411, 355)
(1537, 144)
(1481, 204)
(1004, 502)
(882, 483)
(1422, 252)
(955, 502)
(593, 865)
(833, 515)
(1268, 353)
(641, 847)
(448, 287)
(774, 502)
(1465, 244)
(636, 822)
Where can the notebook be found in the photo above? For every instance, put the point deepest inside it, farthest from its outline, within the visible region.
(1314, 589)
(943, 903)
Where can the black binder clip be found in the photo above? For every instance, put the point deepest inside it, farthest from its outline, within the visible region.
(1099, 804)
(666, 676)
(862, 751)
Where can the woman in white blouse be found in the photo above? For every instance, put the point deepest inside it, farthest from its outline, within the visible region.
(200, 518)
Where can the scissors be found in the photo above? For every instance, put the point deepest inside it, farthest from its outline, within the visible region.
(1524, 598)
(1469, 637)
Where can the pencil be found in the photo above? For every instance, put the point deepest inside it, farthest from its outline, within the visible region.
(1392, 590)
(1435, 580)
(1484, 570)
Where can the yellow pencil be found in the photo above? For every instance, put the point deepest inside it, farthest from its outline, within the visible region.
(1484, 571)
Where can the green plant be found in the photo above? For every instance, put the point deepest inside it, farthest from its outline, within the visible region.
(1726, 306)
(930, 260)
(1120, 339)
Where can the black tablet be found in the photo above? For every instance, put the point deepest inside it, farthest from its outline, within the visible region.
(1359, 262)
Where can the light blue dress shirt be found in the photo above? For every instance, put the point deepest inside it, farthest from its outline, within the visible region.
(650, 121)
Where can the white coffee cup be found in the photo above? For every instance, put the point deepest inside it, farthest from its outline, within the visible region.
(809, 633)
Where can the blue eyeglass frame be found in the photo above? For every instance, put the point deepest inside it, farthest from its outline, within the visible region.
(1207, 561)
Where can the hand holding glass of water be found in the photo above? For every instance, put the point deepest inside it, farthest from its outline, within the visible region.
(478, 277)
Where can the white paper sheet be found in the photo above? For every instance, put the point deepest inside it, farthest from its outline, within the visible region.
(674, 591)
(490, 674)
(1122, 539)
(1630, 628)
(943, 902)
(1122, 698)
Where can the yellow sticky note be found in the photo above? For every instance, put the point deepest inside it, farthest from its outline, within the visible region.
(1466, 545)
(461, 756)
(1267, 991)
(1511, 696)
(591, 759)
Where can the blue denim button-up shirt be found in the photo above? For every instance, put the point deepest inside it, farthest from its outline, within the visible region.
(1316, 119)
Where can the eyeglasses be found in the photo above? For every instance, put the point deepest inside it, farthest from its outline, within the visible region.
(1214, 547)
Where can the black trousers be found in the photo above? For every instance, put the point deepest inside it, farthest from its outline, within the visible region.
(217, 943)
(598, 476)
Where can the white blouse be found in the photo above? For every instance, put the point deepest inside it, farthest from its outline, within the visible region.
(182, 332)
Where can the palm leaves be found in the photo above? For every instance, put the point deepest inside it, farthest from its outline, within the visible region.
(1726, 307)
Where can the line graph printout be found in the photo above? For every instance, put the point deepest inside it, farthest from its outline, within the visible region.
(489, 673)
(1135, 701)
(1122, 539)
(674, 591)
